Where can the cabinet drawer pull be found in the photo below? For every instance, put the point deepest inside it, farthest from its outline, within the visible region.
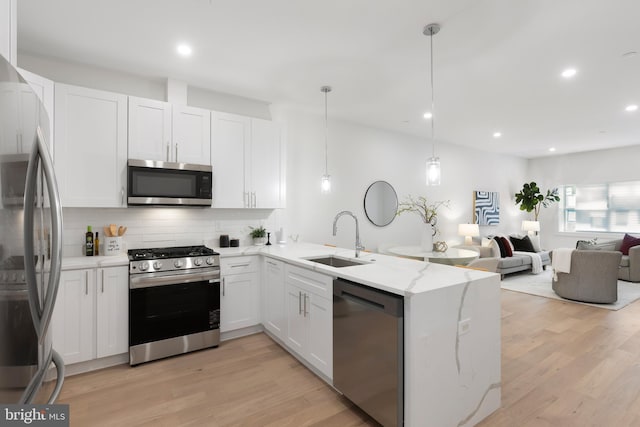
(167, 151)
(223, 286)
(176, 152)
(86, 282)
(103, 281)
(305, 305)
(240, 265)
(299, 302)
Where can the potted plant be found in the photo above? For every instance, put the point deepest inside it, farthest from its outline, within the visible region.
(531, 199)
(428, 212)
(259, 235)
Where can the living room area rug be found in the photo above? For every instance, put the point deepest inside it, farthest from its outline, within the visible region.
(540, 285)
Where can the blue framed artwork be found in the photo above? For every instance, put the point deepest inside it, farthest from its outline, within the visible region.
(486, 207)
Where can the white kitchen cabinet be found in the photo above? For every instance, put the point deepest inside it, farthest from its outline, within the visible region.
(239, 293)
(91, 146)
(310, 317)
(73, 318)
(91, 315)
(247, 156)
(112, 311)
(8, 30)
(18, 128)
(274, 315)
(43, 88)
(171, 133)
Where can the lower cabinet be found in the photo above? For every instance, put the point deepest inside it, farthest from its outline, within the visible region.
(90, 319)
(239, 293)
(274, 317)
(309, 311)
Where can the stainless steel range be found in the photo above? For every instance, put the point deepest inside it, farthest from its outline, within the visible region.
(174, 301)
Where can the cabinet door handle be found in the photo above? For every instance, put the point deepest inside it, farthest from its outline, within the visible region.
(299, 302)
(305, 305)
(86, 282)
(122, 196)
(240, 265)
(223, 286)
(167, 151)
(245, 199)
(254, 199)
(176, 151)
(103, 281)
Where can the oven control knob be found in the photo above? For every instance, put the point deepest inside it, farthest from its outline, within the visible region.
(157, 265)
(144, 266)
(198, 262)
(210, 260)
(179, 263)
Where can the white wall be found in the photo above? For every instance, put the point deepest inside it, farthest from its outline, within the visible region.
(358, 156)
(593, 167)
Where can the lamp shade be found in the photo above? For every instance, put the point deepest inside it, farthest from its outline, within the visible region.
(530, 226)
(468, 230)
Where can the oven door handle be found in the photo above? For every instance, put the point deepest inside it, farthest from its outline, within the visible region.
(174, 279)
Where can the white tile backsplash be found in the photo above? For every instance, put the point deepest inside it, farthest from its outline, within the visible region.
(161, 227)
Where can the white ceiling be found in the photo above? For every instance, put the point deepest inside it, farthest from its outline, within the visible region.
(497, 62)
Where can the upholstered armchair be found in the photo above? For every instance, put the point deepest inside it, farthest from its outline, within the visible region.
(593, 277)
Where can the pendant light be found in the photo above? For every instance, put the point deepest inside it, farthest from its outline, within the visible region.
(325, 184)
(433, 163)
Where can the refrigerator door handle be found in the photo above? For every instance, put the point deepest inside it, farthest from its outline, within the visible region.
(41, 311)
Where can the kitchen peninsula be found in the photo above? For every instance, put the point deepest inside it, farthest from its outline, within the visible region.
(451, 327)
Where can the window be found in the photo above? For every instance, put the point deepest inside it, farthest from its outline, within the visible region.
(612, 207)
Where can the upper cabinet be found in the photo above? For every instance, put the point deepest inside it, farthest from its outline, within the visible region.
(247, 156)
(25, 113)
(8, 30)
(91, 146)
(170, 133)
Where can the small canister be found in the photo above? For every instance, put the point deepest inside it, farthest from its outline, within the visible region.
(224, 240)
(234, 243)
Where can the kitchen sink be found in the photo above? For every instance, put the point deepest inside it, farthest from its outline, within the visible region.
(337, 262)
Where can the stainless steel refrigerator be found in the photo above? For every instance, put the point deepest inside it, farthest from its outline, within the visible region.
(30, 246)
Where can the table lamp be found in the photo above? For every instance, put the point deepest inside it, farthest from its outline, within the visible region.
(468, 231)
(530, 227)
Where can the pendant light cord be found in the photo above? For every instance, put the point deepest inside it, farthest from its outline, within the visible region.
(433, 113)
(326, 135)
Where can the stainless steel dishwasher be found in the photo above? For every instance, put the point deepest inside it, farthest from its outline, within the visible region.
(368, 343)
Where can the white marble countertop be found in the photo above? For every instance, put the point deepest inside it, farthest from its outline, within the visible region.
(397, 275)
(82, 262)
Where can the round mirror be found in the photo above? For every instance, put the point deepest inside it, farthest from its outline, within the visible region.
(380, 203)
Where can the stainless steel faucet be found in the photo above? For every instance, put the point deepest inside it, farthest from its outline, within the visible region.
(359, 246)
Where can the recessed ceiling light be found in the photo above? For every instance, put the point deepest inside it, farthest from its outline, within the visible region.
(552, 149)
(497, 134)
(427, 115)
(569, 72)
(184, 49)
(631, 107)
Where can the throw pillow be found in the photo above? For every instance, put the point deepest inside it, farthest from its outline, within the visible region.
(522, 244)
(590, 246)
(628, 242)
(503, 251)
(507, 246)
(535, 242)
(495, 249)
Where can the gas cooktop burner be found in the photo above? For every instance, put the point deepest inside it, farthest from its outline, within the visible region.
(176, 252)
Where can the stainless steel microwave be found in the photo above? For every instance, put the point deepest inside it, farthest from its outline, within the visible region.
(151, 182)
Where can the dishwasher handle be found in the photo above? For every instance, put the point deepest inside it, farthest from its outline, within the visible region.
(373, 299)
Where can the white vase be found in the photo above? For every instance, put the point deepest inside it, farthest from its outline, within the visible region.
(259, 241)
(427, 238)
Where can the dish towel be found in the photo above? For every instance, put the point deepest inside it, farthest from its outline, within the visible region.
(561, 262)
(536, 261)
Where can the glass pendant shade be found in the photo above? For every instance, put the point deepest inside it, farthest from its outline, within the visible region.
(433, 171)
(325, 185)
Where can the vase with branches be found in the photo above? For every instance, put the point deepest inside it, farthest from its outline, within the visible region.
(428, 213)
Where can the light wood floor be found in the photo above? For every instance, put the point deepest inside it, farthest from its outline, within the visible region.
(563, 364)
